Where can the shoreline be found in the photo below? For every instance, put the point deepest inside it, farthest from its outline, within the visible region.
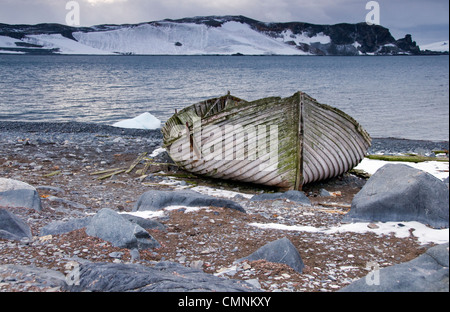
(382, 145)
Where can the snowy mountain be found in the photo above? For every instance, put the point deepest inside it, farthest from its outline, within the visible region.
(441, 46)
(211, 35)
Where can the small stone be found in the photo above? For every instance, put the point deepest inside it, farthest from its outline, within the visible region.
(246, 266)
(197, 264)
(372, 226)
(116, 254)
(134, 253)
(254, 282)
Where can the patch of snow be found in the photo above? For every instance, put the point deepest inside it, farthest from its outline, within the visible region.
(303, 37)
(441, 46)
(65, 45)
(8, 42)
(157, 151)
(144, 121)
(10, 52)
(437, 168)
(218, 192)
(146, 214)
(423, 233)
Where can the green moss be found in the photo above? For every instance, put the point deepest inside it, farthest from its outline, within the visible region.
(406, 158)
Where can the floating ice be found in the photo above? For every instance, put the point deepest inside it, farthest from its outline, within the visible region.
(144, 121)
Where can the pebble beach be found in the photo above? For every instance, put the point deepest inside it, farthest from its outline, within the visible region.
(79, 169)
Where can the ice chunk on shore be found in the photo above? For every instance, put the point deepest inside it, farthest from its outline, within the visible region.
(143, 121)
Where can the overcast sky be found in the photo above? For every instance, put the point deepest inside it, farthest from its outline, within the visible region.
(426, 20)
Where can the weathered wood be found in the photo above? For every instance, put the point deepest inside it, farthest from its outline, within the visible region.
(53, 173)
(108, 175)
(136, 162)
(313, 141)
(104, 171)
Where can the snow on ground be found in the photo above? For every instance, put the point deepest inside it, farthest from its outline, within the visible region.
(8, 42)
(65, 45)
(219, 192)
(143, 121)
(423, 233)
(157, 151)
(441, 46)
(147, 214)
(185, 39)
(10, 52)
(437, 168)
(287, 35)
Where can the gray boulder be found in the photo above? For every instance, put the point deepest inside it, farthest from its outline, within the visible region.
(61, 227)
(279, 251)
(112, 227)
(163, 277)
(426, 273)
(15, 193)
(398, 192)
(12, 227)
(296, 196)
(155, 200)
(42, 277)
(147, 224)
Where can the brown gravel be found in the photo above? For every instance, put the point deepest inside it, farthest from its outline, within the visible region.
(208, 238)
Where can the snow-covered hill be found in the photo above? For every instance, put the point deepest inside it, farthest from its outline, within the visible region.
(441, 46)
(222, 35)
(185, 38)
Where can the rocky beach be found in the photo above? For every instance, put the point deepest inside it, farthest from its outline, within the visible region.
(102, 208)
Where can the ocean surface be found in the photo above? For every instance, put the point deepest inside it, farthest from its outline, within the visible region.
(398, 96)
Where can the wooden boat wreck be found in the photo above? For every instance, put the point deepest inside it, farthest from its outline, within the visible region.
(282, 142)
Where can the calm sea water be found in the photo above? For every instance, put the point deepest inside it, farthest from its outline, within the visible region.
(404, 97)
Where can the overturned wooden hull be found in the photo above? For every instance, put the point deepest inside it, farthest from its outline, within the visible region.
(282, 142)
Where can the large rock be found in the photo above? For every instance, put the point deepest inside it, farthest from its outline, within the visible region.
(398, 192)
(42, 277)
(426, 273)
(147, 224)
(163, 277)
(279, 251)
(61, 227)
(155, 200)
(112, 227)
(15, 193)
(293, 195)
(12, 227)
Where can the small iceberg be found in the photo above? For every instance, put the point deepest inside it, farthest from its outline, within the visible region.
(144, 121)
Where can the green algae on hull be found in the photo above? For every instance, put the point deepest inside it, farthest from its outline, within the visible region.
(283, 142)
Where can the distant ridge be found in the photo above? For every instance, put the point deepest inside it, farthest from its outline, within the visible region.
(207, 35)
